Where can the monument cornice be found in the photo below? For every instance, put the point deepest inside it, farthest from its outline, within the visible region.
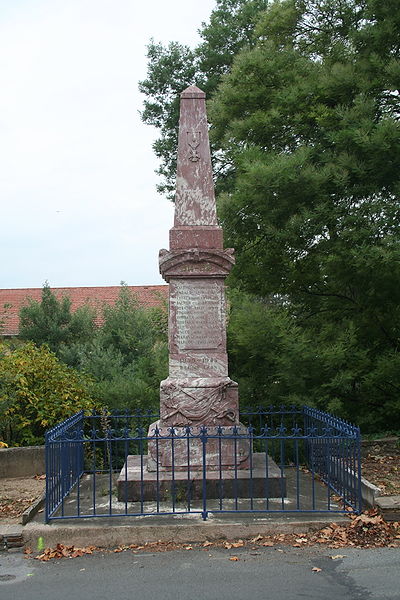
(196, 262)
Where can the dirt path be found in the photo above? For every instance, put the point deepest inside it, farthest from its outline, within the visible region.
(16, 495)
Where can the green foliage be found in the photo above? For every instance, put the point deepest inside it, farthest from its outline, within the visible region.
(37, 391)
(310, 117)
(128, 355)
(305, 128)
(136, 386)
(276, 359)
(119, 364)
(127, 327)
(173, 67)
(51, 322)
(270, 356)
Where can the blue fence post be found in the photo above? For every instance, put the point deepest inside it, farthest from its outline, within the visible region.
(48, 476)
(359, 502)
(204, 437)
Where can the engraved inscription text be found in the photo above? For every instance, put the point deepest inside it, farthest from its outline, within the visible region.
(199, 313)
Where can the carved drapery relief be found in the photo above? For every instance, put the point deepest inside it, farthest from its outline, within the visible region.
(181, 407)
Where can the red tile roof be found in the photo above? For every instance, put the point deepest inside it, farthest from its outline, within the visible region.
(11, 300)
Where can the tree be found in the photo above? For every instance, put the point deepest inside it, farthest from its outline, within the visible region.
(173, 67)
(51, 321)
(127, 356)
(310, 119)
(305, 123)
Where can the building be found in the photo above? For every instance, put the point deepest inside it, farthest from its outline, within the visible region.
(11, 300)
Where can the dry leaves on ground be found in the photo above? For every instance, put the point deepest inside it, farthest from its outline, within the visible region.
(383, 471)
(367, 530)
(14, 507)
(62, 551)
(16, 495)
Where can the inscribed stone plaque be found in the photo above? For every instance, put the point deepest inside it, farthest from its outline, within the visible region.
(198, 315)
(198, 364)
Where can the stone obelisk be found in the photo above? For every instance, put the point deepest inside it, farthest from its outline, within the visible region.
(198, 391)
(199, 429)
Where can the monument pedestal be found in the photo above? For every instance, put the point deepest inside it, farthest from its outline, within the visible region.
(177, 449)
(144, 485)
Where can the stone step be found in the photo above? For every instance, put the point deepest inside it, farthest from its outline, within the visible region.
(389, 507)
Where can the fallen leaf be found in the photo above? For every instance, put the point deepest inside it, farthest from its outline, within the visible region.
(316, 569)
(238, 544)
(188, 547)
(258, 538)
(62, 551)
(28, 550)
(234, 558)
(207, 543)
(338, 556)
(227, 545)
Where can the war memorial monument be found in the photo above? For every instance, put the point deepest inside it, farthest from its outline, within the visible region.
(198, 397)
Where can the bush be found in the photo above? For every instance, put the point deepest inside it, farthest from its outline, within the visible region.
(37, 391)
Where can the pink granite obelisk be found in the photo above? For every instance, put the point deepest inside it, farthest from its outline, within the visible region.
(198, 390)
(198, 396)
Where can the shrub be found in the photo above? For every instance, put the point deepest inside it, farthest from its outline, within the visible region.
(38, 391)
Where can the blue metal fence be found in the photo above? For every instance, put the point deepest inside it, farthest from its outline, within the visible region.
(109, 465)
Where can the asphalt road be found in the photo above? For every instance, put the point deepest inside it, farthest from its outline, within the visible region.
(206, 574)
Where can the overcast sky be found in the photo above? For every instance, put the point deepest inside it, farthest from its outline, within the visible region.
(77, 185)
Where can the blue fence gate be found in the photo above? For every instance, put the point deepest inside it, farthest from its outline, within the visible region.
(300, 460)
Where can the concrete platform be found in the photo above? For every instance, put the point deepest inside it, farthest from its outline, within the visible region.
(91, 498)
(112, 526)
(389, 507)
(135, 483)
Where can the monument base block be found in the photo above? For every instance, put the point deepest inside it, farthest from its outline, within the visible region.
(224, 450)
(136, 483)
